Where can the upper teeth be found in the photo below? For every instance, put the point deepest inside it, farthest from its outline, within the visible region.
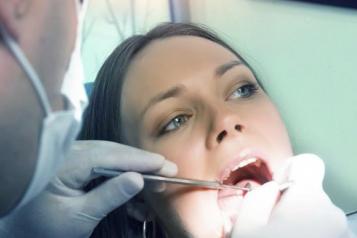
(245, 163)
(241, 165)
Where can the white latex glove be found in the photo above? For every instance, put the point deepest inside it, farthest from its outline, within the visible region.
(302, 211)
(64, 210)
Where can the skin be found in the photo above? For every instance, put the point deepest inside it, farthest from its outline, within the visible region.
(45, 31)
(217, 123)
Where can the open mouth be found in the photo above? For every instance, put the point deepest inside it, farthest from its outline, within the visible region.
(249, 172)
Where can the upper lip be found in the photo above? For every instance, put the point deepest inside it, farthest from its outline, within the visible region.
(243, 157)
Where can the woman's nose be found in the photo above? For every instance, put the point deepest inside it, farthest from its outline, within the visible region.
(224, 126)
(221, 135)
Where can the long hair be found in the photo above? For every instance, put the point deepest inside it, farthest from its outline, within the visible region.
(102, 118)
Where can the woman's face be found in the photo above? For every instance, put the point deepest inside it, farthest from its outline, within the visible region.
(200, 106)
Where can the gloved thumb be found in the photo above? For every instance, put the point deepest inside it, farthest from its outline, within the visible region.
(304, 169)
(306, 172)
(256, 209)
(111, 194)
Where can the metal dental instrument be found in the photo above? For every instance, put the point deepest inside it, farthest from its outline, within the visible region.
(190, 182)
(183, 181)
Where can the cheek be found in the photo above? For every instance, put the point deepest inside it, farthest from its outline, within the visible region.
(197, 209)
(270, 129)
(186, 151)
(275, 126)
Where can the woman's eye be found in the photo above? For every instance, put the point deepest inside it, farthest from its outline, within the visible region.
(244, 91)
(174, 124)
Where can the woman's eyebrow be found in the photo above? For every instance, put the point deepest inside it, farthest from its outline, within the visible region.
(170, 93)
(179, 89)
(222, 69)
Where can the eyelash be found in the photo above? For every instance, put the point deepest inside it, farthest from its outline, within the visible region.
(252, 87)
(164, 129)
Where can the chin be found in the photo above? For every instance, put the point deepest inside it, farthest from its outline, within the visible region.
(200, 213)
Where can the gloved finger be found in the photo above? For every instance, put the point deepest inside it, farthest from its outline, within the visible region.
(155, 186)
(111, 155)
(111, 194)
(256, 209)
(303, 169)
(306, 199)
(303, 211)
(306, 172)
(307, 169)
(86, 155)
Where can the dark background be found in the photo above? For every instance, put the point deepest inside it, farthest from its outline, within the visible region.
(337, 3)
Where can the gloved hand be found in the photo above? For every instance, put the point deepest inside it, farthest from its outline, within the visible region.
(303, 210)
(65, 210)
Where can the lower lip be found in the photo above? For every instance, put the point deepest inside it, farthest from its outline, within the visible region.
(230, 201)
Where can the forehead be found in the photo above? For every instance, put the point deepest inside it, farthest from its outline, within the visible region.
(171, 61)
(179, 56)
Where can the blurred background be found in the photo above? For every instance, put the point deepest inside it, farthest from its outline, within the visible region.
(305, 54)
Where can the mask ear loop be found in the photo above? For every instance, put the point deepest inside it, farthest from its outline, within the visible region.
(20, 57)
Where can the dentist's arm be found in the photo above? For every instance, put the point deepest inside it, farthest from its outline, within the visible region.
(304, 210)
(64, 209)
